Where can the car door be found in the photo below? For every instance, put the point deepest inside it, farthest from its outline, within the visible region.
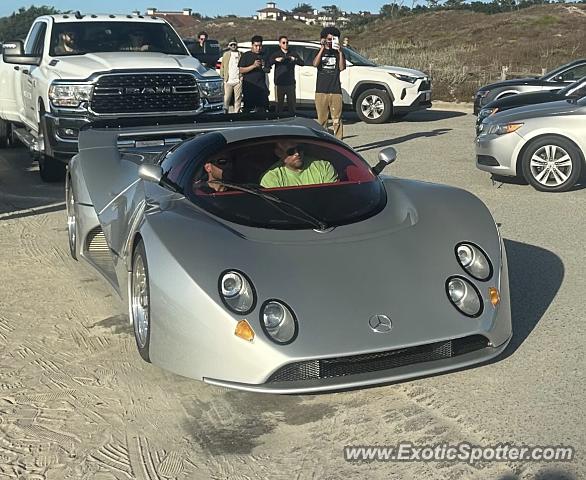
(30, 74)
(306, 76)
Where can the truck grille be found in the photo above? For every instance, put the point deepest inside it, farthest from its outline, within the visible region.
(373, 362)
(145, 93)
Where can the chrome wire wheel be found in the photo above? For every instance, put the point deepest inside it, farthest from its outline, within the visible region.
(140, 302)
(551, 165)
(71, 223)
(372, 106)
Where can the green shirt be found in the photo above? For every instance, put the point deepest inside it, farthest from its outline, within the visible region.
(315, 172)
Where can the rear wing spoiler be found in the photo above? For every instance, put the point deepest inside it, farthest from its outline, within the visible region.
(146, 132)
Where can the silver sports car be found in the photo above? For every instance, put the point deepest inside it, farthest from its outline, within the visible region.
(268, 256)
(544, 143)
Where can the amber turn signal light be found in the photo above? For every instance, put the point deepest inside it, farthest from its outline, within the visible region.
(244, 331)
(495, 296)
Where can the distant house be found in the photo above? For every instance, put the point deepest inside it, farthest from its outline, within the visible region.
(161, 13)
(271, 12)
(180, 20)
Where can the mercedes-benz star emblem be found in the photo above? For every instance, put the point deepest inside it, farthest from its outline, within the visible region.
(380, 323)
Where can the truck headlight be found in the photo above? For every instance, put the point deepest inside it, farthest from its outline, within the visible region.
(404, 78)
(69, 95)
(211, 88)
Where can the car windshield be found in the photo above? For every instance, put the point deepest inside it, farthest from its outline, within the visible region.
(248, 183)
(576, 89)
(356, 59)
(79, 38)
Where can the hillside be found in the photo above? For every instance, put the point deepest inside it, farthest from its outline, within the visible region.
(462, 50)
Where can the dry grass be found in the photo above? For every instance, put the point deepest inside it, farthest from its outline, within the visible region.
(464, 50)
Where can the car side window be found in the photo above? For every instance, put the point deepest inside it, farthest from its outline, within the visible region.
(31, 42)
(574, 73)
(309, 54)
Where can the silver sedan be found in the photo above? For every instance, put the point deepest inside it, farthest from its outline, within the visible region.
(544, 143)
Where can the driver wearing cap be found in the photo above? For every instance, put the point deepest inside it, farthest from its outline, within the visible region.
(294, 168)
(217, 168)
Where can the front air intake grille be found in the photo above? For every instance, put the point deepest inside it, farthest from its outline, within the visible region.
(374, 362)
(424, 86)
(145, 93)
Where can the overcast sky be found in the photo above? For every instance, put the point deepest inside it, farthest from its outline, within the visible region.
(211, 8)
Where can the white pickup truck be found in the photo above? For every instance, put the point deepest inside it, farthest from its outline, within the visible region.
(74, 69)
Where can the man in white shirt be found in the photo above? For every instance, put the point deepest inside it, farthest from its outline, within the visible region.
(232, 78)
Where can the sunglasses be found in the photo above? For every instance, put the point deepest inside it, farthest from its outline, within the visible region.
(284, 42)
(202, 38)
(294, 150)
(232, 44)
(221, 162)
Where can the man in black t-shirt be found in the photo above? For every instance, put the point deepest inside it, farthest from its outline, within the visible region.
(284, 61)
(329, 61)
(254, 82)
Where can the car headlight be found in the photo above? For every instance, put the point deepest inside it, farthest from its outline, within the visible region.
(474, 261)
(278, 322)
(211, 89)
(237, 292)
(69, 95)
(502, 128)
(464, 296)
(404, 78)
(486, 112)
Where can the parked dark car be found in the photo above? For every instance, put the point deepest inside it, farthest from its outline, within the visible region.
(574, 90)
(556, 79)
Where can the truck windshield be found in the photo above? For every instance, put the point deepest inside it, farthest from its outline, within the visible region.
(79, 38)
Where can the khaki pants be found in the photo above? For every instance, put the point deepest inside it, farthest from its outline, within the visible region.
(289, 91)
(330, 104)
(235, 89)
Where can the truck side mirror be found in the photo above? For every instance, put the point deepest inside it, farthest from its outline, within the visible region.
(13, 52)
(385, 157)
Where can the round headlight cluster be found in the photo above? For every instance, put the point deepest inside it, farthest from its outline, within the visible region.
(474, 261)
(278, 322)
(237, 292)
(464, 296)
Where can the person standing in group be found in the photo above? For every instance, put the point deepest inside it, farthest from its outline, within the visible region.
(200, 46)
(230, 72)
(284, 61)
(254, 82)
(329, 61)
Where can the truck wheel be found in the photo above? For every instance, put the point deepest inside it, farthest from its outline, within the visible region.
(51, 169)
(5, 133)
(374, 106)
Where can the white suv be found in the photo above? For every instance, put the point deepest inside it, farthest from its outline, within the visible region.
(376, 92)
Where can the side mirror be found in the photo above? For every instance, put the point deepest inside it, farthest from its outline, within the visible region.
(13, 52)
(150, 173)
(385, 157)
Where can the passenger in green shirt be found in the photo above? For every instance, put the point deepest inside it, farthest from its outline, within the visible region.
(295, 169)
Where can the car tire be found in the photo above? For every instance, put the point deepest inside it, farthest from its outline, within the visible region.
(5, 133)
(374, 106)
(139, 301)
(51, 169)
(71, 220)
(552, 164)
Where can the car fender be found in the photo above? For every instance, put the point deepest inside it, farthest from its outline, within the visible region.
(366, 84)
(533, 134)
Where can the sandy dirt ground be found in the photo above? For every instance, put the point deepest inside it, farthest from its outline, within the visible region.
(77, 402)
